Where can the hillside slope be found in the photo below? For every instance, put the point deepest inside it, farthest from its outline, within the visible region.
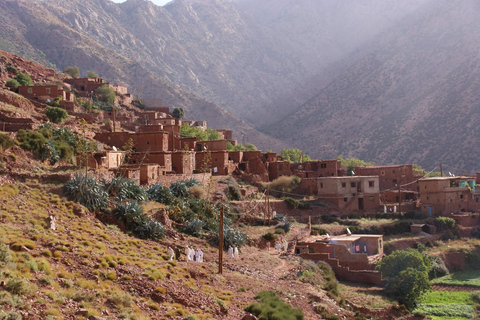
(416, 100)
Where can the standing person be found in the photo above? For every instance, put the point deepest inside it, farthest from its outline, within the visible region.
(201, 255)
(188, 257)
(268, 246)
(235, 253)
(286, 245)
(192, 254)
(197, 255)
(230, 252)
(170, 253)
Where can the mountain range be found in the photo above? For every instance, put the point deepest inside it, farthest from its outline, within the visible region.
(388, 82)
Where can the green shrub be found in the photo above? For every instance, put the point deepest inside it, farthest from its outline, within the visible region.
(137, 222)
(56, 115)
(330, 281)
(121, 299)
(24, 79)
(438, 267)
(193, 227)
(233, 193)
(5, 254)
(291, 203)
(279, 231)
(269, 236)
(17, 286)
(444, 223)
(12, 83)
(10, 316)
(472, 259)
(271, 307)
(125, 189)
(231, 237)
(180, 188)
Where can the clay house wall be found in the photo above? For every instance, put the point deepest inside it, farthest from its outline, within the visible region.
(448, 194)
(101, 159)
(312, 169)
(167, 122)
(394, 196)
(151, 141)
(183, 162)
(308, 186)
(130, 172)
(226, 134)
(358, 193)
(150, 128)
(113, 139)
(249, 155)
(188, 143)
(163, 159)
(466, 220)
(235, 156)
(149, 173)
(278, 168)
(212, 145)
(118, 88)
(147, 117)
(174, 142)
(42, 92)
(218, 162)
(391, 176)
(85, 84)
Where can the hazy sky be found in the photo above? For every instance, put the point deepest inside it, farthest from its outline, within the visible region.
(157, 2)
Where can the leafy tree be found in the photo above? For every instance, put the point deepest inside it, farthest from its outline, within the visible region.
(209, 134)
(56, 115)
(92, 74)
(294, 155)
(444, 223)
(24, 79)
(351, 163)
(72, 71)
(178, 113)
(106, 94)
(241, 147)
(12, 83)
(406, 273)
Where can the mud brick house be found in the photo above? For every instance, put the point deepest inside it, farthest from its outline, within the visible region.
(352, 257)
(250, 165)
(85, 84)
(163, 159)
(391, 176)
(200, 124)
(278, 168)
(227, 135)
(322, 168)
(45, 93)
(214, 161)
(422, 227)
(350, 193)
(183, 162)
(102, 159)
(11, 124)
(144, 174)
(211, 145)
(448, 194)
(114, 139)
(151, 141)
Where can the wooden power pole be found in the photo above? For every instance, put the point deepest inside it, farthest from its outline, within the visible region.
(441, 170)
(220, 243)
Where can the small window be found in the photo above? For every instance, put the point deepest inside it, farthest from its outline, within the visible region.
(311, 250)
(29, 90)
(394, 180)
(461, 196)
(428, 198)
(321, 186)
(353, 184)
(371, 183)
(380, 244)
(216, 159)
(153, 176)
(382, 173)
(345, 199)
(323, 165)
(49, 90)
(148, 142)
(476, 200)
(393, 171)
(344, 184)
(134, 175)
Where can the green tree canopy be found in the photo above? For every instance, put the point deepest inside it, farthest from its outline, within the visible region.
(92, 74)
(351, 163)
(241, 147)
(24, 79)
(106, 94)
(209, 134)
(406, 273)
(12, 83)
(178, 113)
(56, 115)
(72, 71)
(294, 155)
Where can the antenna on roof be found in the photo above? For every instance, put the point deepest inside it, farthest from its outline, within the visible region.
(328, 236)
(115, 148)
(349, 232)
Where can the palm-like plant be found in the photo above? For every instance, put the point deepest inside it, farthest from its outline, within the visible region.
(86, 191)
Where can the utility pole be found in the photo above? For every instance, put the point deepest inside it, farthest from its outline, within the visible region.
(399, 198)
(220, 243)
(266, 207)
(268, 204)
(441, 170)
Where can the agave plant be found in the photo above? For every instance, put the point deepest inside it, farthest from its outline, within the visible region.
(180, 188)
(150, 230)
(125, 189)
(86, 191)
(231, 237)
(193, 227)
(137, 222)
(159, 193)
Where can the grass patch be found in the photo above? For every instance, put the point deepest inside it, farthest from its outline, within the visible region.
(454, 311)
(463, 278)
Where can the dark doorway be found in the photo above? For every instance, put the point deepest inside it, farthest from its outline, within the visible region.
(360, 204)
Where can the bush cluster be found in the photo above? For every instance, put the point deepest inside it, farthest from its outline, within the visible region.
(271, 307)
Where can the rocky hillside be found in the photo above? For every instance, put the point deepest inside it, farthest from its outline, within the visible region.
(415, 100)
(36, 30)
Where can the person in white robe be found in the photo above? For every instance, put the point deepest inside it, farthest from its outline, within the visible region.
(201, 255)
(230, 252)
(170, 252)
(235, 253)
(197, 255)
(187, 254)
(192, 254)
